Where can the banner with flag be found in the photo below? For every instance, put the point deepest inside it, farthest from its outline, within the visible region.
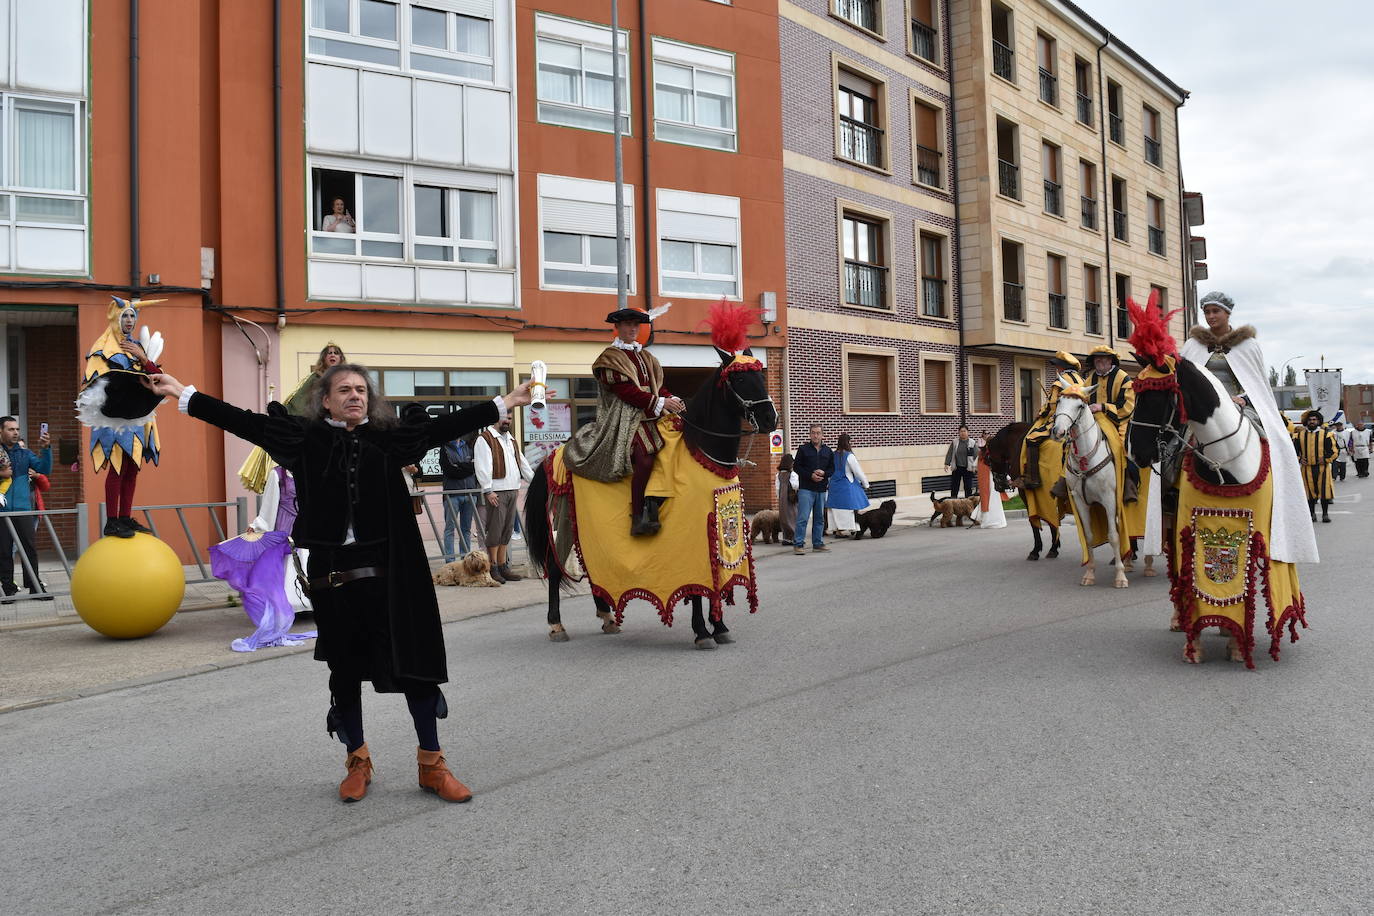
(1324, 387)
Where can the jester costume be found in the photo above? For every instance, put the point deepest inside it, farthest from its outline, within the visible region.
(1316, 448)
(1070, 373)
(119, 409)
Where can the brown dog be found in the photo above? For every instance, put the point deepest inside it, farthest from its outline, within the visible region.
(473, 570)
(953, 511)
(766, 523)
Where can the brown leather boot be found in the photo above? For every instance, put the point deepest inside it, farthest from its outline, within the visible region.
(435, 777)
(354, 785)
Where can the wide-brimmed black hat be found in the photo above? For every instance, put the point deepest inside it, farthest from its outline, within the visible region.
(627, 314)
(1313, 413)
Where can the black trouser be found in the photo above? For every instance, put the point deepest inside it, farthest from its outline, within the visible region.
(23, 529)
(967, 476)
(1338, 470)
(1361, 467)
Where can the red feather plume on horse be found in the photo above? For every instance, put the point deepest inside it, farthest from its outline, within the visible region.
(729, 323)
(1151, 341)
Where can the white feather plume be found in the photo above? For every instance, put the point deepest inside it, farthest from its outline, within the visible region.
(654, 314)
(152, 343)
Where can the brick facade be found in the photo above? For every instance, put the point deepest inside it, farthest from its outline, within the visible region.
(51, 390)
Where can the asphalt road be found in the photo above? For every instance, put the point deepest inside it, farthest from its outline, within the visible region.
(921, 724)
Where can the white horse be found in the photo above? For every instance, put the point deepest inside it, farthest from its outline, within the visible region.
(1090, 472)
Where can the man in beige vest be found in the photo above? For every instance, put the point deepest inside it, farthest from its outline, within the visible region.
(500, 467)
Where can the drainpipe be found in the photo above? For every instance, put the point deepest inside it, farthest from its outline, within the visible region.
(1185, 256)
(1110, 318)
(646, 203)
(956, 242)
(279, 254)
(135, 267)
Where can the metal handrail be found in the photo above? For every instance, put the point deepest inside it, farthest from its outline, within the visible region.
(1153, 151)
(1059, 314)
(1156, 240)
(1117, 127)
(1049, 87)
(863, 13)
(923, 41)
(928, 166)
(1088, 211)
(1009, 179)
(933, 297)
(1003, 61)
(861, 141)
(1092, 317)
(863, 280)
(1053, 201)
(1119, 225)
(1085, 108)
(1013, 308)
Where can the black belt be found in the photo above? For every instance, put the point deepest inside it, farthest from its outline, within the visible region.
(341, 577)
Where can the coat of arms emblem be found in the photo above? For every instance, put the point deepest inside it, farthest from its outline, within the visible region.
(1221, 553)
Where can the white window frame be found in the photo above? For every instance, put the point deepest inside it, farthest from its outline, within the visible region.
(714, 207)
(11, 191)
(453, 196)
(557, 188)
(403, 44)
(584, 36)
(697, 60)
(409, 177)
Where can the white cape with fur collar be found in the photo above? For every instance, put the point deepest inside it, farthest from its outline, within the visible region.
(1291, 539)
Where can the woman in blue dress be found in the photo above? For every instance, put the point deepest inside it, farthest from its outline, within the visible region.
(847, 488)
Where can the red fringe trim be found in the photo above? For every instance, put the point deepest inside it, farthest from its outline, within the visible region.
(1229, 490)
(1292, 615)
(737, 366)
(720, 470)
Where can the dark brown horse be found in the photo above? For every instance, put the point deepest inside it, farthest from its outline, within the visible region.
(1003, 455)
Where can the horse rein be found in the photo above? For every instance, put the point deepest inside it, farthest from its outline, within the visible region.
(747, 407)
(1085, 471)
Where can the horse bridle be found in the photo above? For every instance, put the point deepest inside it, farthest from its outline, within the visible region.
(1168, 433)
(747, 406)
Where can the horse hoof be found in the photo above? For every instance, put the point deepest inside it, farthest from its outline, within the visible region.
(610, 627)
(1087, 580)
(723, 639)
(1121, 583)
(1033, 555)
(1053, 554)
(559, 636)
(706, 642)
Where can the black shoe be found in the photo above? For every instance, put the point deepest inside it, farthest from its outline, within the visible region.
(645, 523)
(117, 528)
(134, 525)
(496, 575)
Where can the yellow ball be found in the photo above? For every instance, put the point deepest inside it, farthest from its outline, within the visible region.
(127, 587)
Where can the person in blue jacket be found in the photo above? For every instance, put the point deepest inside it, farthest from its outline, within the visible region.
(814, 465)
(19, 498)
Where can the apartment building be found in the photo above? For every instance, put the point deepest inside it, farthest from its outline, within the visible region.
(873, 269)
(1070, 194)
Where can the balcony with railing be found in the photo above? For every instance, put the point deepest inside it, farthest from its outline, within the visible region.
(1085, 108)
(1116, 127)
(863, 13)
(1123, 322)
(865, 284)
(1119, 225)
(1059, 311)
(1009, 179)
(928, 170)
(933, 297)
(923, 43)
(1049, 87)
(1156, 240)
(1013, 301)
(1003, 61)
(1153, 153)
(861, 142)
(1092, 317)
(1054, 199)
(1087, 207)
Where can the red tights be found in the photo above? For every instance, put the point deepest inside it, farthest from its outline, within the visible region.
(643, 464)
(119, 491)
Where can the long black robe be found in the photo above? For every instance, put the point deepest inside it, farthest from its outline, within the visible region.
(354, 479)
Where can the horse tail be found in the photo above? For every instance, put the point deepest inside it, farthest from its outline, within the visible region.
(539, 539)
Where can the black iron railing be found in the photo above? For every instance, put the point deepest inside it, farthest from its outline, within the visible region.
(1123, 322)
(1119, 225)
(1054, 200)
(1059, 311)
(861, 142)
(1153, 153)
(865, 284)
(1156, 240)
(1013, 301)
(933, 297)
(923, 42)
(1087, 207)
(1049, 87)
(1092, 317)
(928, 169)
(1085, 108)
(1117, 127)
(1003, 61)
(863, 13)
(1009, 178)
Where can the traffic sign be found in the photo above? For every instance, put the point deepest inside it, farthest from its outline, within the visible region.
(775, 442)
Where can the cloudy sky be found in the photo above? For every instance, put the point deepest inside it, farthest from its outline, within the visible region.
(1278, 135)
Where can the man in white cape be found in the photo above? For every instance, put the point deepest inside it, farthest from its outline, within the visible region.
(1291, 537)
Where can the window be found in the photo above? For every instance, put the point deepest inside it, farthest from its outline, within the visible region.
(1054, 178)
(983, 392)
(1123, 319)
(43, 186)
(699, 237)
(694, 95)
(1153, 151)
(864, 250)
(1026, 390)
(404, 36)
(1092, 299)
(1116, 126)
(1058, 292)
(1154, 210)
(866, 14)
(934, 298)
(1013, 284)
(574, 84)
(439, 392)
(1119, 225)
(927, 121)
(1083, 88)
(577, 234)
(1163, 301)
(1046, 49)
(870, 380)
(860, 104)
(1003, 43)
(1008, 159)
(364, 214)
(937, 385)
(925, 33)
(1087, 201)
